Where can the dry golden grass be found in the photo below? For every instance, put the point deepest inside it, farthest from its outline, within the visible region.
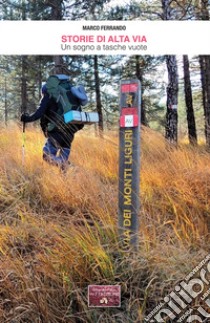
(59, 233)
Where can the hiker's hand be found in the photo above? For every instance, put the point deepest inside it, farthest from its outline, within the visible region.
(24, 117)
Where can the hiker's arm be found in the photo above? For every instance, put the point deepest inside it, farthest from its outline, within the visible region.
(39, 112)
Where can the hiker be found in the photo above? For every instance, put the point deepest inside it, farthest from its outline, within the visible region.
(59, 135)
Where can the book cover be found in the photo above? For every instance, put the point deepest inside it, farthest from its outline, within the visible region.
(105, 221)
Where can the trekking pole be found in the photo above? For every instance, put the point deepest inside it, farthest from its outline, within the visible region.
(23, 143)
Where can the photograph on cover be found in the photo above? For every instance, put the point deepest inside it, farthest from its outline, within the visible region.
(104, 172)
(71, 243)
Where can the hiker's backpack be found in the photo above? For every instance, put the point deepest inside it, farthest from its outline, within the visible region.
(60, 89)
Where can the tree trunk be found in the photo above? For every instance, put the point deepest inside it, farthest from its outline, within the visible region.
(140, 77)
(172, 89)
(56, 6)
(172, 99)
(59, 67)
(205, 75)
(23, 85)
(207, 121)
(40, 75)
(192, 135)
(204, 94)
(204, 10)
(167, 10)
(5, 102)
(98, 94)
(203, 14)
(56, 14)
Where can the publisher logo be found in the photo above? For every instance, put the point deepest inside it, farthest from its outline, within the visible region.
(178, 305)
(104, 296)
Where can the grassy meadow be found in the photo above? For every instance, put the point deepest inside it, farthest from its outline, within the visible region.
(58, 234)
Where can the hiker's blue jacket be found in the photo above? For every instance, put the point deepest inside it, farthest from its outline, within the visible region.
(48, 106)
(47, 113)
(39, 112)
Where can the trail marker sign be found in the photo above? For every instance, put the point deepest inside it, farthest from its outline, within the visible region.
(129, 164)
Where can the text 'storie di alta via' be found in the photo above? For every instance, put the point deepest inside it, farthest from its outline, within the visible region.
(103, 38)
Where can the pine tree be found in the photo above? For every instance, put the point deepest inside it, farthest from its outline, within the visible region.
(98, 94)
(203, 14)
(189, 102)
(172, 88)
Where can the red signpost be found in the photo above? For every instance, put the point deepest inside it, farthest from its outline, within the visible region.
(129, 164)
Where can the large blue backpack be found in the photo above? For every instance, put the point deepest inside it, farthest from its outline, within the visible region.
(60, 89)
